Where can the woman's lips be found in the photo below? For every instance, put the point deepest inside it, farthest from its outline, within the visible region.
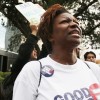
(75, 33)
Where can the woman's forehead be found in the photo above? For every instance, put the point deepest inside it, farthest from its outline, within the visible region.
(66, 15)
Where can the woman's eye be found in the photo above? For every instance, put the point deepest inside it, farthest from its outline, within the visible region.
(66, 21)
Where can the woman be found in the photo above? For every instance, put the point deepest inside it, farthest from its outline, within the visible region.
(63, 76)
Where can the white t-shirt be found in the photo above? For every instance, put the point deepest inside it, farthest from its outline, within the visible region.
(58, 81)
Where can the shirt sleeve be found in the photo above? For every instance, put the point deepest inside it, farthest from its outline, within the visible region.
(26, 84)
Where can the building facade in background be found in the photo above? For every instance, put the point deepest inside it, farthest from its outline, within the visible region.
(6, 57)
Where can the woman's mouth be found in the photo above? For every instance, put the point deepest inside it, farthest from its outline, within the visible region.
(75, 33)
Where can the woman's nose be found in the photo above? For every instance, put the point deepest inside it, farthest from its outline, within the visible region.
(74, 24)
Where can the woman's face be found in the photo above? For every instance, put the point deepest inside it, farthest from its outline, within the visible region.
(66, 30)
(91, 57)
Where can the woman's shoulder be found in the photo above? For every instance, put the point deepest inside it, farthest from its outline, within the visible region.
(92, 65)
(31, 65)
(34, 65)
(29, 70)
(95, 69)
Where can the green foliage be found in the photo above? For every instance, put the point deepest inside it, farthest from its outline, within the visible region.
(1, 79)
(3, 75)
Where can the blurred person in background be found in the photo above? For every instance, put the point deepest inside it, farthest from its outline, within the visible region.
(90, 56)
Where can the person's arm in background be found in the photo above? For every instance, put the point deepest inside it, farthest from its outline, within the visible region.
(25, 50)
(32, 38)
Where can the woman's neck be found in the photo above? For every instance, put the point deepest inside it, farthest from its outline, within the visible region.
(64, 57)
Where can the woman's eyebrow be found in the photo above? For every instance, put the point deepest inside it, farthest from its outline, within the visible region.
(65, 19)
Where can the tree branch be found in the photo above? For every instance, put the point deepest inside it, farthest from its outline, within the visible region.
(84, 8)
(92, 29)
